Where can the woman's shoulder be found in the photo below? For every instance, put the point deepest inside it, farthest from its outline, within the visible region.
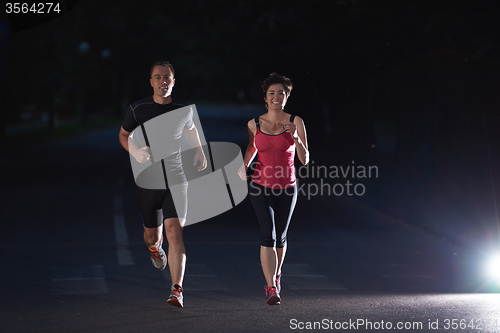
(297, 119)
(252, 125)
(254, 121)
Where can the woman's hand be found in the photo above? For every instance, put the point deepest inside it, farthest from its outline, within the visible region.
(292, 129)
(242, 172)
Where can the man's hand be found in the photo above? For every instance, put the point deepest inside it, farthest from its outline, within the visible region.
(199, 157)
(141, 154)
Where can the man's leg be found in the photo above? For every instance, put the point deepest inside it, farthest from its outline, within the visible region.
(152, 237)
(176, 249)
(176, 258)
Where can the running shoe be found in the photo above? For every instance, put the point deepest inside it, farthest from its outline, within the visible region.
(176, 297)
(278, 283)
(273, 297)
(159, 257)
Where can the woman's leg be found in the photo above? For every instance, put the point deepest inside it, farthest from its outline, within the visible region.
(262, 203)
(269, 262)
(281, 258)
(284, 204)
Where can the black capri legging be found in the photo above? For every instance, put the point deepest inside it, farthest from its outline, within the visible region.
(274, 208)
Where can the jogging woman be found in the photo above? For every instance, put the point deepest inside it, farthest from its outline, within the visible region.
(276, 136)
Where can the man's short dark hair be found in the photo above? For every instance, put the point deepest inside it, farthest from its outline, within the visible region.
(162, 63)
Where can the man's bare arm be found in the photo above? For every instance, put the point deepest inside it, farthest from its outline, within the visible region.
(140, 154)
(193, 138)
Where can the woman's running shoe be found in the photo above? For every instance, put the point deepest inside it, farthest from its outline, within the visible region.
(273, 297)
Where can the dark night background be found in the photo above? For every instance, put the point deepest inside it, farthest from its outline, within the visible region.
(409, 86)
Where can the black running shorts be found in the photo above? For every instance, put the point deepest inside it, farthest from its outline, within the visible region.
(150, 201)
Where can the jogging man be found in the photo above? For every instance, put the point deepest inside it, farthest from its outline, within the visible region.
(157, 203)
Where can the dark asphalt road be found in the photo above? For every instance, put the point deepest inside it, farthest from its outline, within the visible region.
(73, 260)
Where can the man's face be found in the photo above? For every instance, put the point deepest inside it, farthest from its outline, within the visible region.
(162, 80)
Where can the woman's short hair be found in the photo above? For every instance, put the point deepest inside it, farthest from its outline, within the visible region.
(276, 78)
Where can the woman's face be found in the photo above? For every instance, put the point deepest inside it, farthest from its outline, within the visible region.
(276, 97)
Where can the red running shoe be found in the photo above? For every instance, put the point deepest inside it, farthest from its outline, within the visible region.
(273, 297)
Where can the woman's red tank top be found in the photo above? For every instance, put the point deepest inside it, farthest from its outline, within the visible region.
(275, 164)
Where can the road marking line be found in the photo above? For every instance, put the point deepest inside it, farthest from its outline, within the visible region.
(300, 276)
(200, 277)
(412, 276)
(78, 280)
(121, 237)
(392, 271)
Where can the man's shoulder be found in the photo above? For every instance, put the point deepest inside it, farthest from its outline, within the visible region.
(146, 100)
(175, 104)
(178, 104)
